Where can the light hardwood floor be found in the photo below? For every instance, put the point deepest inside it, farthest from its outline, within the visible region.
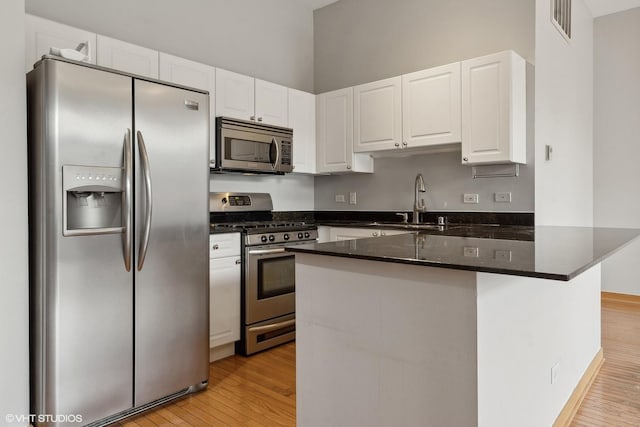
(261, 390)
(243, 391)
(614, 397)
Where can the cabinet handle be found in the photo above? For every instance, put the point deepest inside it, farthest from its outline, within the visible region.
(348, 166)
(215, 247)
(252, 118)
(382, 233)
(404, 144)
(374, 234)
(238, 261)
(259, 119)
(464, 159)
(397, 145)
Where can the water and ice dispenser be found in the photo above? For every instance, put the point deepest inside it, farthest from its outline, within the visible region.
(92, 200)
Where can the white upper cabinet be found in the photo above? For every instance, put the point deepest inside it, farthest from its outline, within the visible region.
(334, 134)
(127, 57)
(234, 95)
(196, 75)
(245, 98)
(378, 115)
(431, 106)
(42, 34)
(494, 109)
(302, 119)
(271, 103)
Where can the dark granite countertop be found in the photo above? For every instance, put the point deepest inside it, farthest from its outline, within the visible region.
(547, 252)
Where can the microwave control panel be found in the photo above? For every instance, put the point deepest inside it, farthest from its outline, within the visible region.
(286, 157)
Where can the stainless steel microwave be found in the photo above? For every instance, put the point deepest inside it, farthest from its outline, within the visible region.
(244, 146)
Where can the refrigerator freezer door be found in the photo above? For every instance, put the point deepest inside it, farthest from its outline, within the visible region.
(82, 295)
(171, 297)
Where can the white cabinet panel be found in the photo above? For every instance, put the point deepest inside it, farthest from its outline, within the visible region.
(378, 115)
(494, 109)
(42, 34)
(224, 287)
(431, 106)
(224, 317)
(302, 119)
(271, 103)
(196, 75)
(234, 95)
(127, 57)
(334, 137)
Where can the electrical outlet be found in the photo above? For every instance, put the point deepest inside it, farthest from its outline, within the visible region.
(352, 198)
(555, 372)
(340, 198)
(548, 152)
(470, 198)
(502, 197)
(470, 251)
(502, 255)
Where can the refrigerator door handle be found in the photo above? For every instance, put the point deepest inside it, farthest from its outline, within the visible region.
(146, 178)
(126, 201)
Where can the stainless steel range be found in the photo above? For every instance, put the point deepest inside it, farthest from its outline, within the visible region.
(268, 279)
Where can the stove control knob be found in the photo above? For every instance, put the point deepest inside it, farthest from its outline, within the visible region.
(272, 238)
(286, 237)
(299, 235)
(306, 235)
(263, 239)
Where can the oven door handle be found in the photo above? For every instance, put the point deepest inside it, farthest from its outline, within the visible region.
(266, 251)
(269, 328)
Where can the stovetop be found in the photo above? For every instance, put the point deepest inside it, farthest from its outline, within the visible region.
(261, 227)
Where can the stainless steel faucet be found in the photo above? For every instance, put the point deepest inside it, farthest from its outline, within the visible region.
(418, 206)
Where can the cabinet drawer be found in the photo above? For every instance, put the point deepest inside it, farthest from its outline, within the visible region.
(224, 245)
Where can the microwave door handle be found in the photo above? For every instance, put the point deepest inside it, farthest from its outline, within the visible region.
(277, 160)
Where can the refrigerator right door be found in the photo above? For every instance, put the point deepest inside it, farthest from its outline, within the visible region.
(172, 231)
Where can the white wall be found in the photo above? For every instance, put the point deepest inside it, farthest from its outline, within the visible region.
(617, 140)
(14, 284)
(272, 40)
(289, 192)
(564, 119)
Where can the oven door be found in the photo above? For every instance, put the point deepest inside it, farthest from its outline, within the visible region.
(245, 150)
(270, 283)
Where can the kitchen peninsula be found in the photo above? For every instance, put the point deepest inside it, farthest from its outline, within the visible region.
(430, 328)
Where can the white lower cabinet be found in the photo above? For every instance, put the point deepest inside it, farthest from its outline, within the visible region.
(224, 297)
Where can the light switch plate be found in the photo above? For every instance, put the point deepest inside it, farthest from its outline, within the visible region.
(504, 197)
(470, 198)
(340, 198)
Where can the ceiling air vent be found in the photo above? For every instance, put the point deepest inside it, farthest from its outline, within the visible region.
(561, 17)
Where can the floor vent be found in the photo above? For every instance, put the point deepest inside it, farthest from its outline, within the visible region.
(561, 17)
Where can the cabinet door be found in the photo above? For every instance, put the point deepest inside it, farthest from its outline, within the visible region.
(224, 300)
(42, 34)
(302, 119)
(127, 57)
(234, 95)
(494, 109)
(271, 103)
(193, 74)
(378, 115)
(431, 106)
(334, 134)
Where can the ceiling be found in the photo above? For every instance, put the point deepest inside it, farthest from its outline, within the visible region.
(605, 7)
(598, 7)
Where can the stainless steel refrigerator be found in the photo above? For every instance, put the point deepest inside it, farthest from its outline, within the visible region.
(118, 190)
